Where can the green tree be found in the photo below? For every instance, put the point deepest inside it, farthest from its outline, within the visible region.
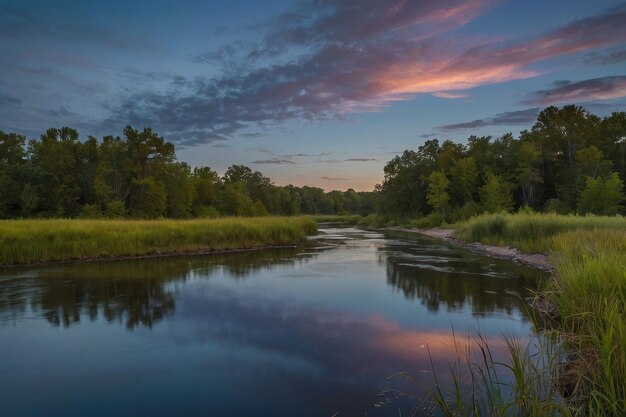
(528, 171)
(464, 176)
(207, 185)
(115, 209)
(449, 152)
(148, 154)
(561, 132)
(495, 195)
(12, 161)
(235, 201)
(148, 198)
(257, 186)
(602, 196)
(56, 165)
(404, 188)
(438, 196)
(180, 190)
(113, 176)
(612, 141)
(481, 149)
(591, 163)
(29, 200)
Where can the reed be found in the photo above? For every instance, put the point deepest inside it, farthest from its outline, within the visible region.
(481, 384)
(517, 379)
(588, 292)
(33, 241)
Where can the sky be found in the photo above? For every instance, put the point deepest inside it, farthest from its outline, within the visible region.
(320, 92)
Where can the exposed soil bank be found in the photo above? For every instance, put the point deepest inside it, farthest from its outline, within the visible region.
(537, 260)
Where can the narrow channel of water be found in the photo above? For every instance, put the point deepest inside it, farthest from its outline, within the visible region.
(313, 331)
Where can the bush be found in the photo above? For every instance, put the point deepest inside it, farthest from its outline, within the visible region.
(91, 211)
(115, 209)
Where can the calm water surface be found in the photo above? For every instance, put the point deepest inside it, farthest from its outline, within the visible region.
(312, 331)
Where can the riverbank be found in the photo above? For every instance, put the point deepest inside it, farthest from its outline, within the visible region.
(586, 294)
(41, 241)
(537, 260)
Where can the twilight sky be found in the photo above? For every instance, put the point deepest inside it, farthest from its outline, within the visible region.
(320, 92)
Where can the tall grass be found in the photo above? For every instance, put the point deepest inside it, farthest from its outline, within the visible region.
(530, 232)
(483, 385)
(347, 219)
(588, 290)
(31, 241)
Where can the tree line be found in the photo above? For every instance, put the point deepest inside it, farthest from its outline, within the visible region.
(570, 161)
(138, 176)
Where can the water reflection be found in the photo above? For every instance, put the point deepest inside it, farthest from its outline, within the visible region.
(442, 276)
(133, 292)
(308, 332)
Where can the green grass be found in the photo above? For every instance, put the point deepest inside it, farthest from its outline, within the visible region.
(588, 289)
(32, 241)
(530, 232)
(482, 385)
(344, 219)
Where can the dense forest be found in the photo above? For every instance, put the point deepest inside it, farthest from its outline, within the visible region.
(570, 161)
(139, 176)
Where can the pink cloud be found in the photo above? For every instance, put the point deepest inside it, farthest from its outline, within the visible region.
(341, 56)
(450, 95)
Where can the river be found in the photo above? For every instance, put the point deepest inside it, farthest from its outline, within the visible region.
(311, 331)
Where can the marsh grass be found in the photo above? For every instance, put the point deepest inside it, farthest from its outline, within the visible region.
(481, 383)
(587, 290)
(531, 232)
(32, 241)
(350, 219)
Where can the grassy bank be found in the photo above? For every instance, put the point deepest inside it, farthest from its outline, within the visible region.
(588, 291)
(347, 220)
(31, 241)
(531, 232)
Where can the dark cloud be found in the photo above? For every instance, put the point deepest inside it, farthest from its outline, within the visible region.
(512, 118)
(614, 57)
(60, 113)
(604, 88)
(331, 57)
(338, 161)
(334, 178)
(19, 23)
(300, 155)
(267, 151)
(273, 161)
(9, 101)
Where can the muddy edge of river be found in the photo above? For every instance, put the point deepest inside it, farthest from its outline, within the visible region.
(537, 260)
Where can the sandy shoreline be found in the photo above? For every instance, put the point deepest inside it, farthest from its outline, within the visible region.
(537, 260)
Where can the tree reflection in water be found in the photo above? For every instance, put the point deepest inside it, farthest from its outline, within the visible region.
(134, 292)
(459, 280)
